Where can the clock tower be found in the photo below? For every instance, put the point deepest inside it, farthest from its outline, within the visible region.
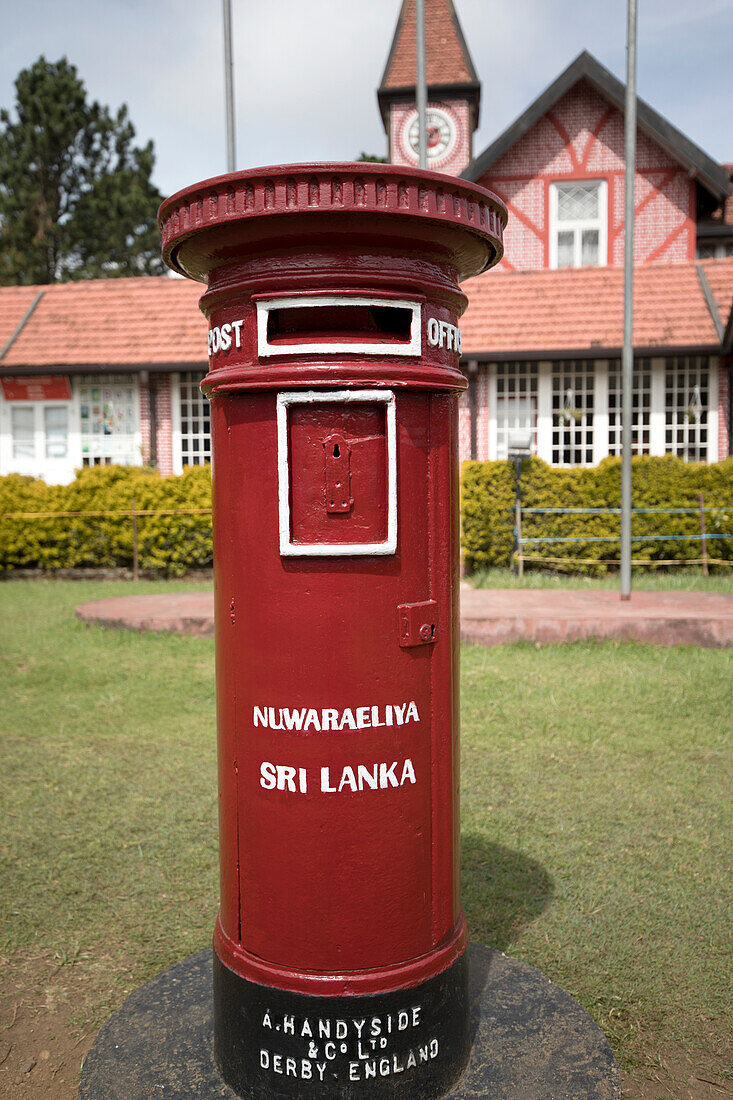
(454, 91)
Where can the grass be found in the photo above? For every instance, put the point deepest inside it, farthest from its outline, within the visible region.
(644, 580)
(595, 812)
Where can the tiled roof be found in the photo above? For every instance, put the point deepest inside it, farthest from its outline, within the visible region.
(156, 321)
(581, 309)
(105, 321)
(16, 301)
(447, 60)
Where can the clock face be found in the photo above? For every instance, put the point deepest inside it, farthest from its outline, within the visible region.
(441, 133)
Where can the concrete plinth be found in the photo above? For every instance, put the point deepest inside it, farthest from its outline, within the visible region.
(531, 1040)
(489, 616)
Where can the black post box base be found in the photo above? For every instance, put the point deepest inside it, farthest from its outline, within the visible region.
(529, 1040)
(270, 1044)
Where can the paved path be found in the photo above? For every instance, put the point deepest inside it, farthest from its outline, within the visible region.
(489, 616)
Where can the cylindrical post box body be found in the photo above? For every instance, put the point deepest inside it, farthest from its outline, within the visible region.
(333, 307)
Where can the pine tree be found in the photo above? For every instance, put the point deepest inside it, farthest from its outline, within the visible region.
(76, 198)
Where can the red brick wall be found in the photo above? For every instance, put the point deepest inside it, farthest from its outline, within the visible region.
(457, 157)
(582, 137)
(164, 433)
(724, 373)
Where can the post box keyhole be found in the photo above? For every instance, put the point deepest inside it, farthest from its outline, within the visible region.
(337, 475)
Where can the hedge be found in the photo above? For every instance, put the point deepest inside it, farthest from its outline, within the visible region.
(168, 544)
(487, 492)
(177, 543)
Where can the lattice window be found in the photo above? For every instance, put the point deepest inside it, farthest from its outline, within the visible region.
(578, 216)
(641, 408)
(110, 419)
(686, 407)
(572, 413)
(516, 403)
(714, 250)
(195, 421)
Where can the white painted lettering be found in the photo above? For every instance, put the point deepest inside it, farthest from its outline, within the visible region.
(293, 719)
(225, 337)
(363, 719)
(285, 778)
(236, 325)
(368, 777)
(268, 778)
(266, 1021)
(329, 720)
(408, 772)
(265, 1059)
(326, 780)
(347, 779)
(289, 1025)
(387, 777)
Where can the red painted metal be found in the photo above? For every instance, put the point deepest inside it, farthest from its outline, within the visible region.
(338, 743)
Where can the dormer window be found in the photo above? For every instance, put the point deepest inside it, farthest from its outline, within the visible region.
(578, 223)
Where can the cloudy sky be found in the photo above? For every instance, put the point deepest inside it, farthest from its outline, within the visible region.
(306, 73)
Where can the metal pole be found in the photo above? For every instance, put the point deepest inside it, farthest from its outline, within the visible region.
(229, 86)
(421, 91)
(627, 385)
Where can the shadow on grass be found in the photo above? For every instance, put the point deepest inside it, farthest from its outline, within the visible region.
(502, 891)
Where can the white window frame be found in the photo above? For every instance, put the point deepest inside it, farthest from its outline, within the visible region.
(523, 386)
(54, 471)
(177, 424)
(367, 347)
(340, 549)
(600, 223)
(132, 381)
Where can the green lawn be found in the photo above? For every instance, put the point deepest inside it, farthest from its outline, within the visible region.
(644, 580)
(596, 813)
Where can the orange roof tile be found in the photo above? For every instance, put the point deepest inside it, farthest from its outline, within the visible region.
(447, 60)
(581, 309)
(137, 321)
(156, 321)
(16, 301)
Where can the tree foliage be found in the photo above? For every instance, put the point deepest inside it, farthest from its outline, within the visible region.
(76, 198)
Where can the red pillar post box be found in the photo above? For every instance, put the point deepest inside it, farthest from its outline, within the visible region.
(333, 307)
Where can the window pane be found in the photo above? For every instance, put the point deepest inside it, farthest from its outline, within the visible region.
(21, 420)
(565, 248)
(589, 247)
(56, 425)
(577, 201)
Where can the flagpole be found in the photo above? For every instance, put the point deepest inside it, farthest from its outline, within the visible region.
(627, 368)
(229, 86)
(421, 91)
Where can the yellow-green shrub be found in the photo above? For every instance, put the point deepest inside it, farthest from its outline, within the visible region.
(487, 493)
(171, 544)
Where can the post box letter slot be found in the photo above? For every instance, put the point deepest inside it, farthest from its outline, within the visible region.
(323, 325)
(337, 472)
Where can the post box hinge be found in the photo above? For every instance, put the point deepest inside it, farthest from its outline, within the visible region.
(418, 623)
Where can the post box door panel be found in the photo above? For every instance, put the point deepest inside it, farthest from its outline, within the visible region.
(337, 473)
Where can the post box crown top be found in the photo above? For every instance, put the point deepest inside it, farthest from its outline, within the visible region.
(272, 201)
